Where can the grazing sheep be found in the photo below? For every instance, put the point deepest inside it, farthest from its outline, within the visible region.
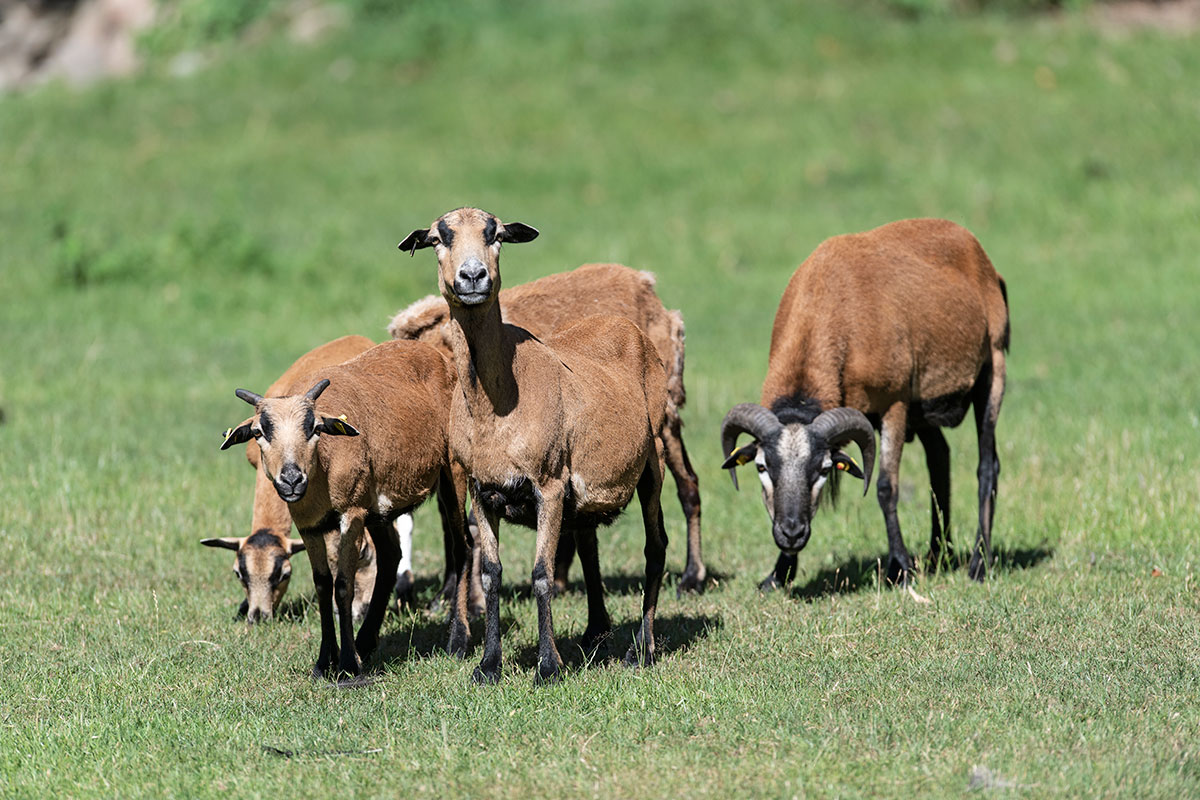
(548, 303)
(906, 324)
(339, 484)
(262, 563)
(556, 434)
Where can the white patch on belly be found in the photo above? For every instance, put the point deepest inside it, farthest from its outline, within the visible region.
(344, 524)
(383, 504)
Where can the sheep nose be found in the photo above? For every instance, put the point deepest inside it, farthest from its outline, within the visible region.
(255, 616)
(791, 534)
(472, 279)
(290, 483)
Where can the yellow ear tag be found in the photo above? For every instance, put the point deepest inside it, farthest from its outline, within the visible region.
(342, 417)
(228, 431)
(841, 465)
(744, 458)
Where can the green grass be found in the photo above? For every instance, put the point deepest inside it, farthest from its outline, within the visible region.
(164, 241)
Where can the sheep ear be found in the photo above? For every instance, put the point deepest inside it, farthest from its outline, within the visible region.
(224, 542)
(845, 463)
(295, 546)
(743, 455)
(336, 426)
(417, 240)
(238, 435)
(517, 232)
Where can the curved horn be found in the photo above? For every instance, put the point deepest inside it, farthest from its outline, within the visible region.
(316, 390)
(748, 418)
(838, 425)
(249, 396)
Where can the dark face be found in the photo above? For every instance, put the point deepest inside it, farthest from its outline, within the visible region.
(467, 244)
(793, 470)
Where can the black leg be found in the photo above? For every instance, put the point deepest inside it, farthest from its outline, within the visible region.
(887, 487)
(937, 458)
(990, 393)
(599, 625)
(387, 556)
(650, 496)
(488, 670)
(564, 554)
(687, 487)
(781, 576)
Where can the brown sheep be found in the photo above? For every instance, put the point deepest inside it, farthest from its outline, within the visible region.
(263, 563)
(906, 324)
(548, 303)
(339, 484)
(555, 434)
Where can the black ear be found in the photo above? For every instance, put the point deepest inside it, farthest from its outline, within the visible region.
(225, 542)
(238, 435)
(517, 232)
(417, 240)
(846, 464)
(336, 426)
(743, 455)
(295, 546)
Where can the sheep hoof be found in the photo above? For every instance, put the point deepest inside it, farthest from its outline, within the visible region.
(691, 581)
(547, 672)
(899, 570)
(458, 640)
(977, 569)
(637, 657)
(592, 639)
(769, 584)
(406, 596)
(488, 677)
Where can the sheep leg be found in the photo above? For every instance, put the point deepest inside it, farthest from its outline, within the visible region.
(599, 625)
(785, 570)
(314, 545)
(687, 487)
(563, 556)
(549, 525)
(349, 545)
(404, 589)
(451, 498)
(650, 496)
(887, 486)
(989, 394)
(387, 556)
(488, 670)
(937, 458)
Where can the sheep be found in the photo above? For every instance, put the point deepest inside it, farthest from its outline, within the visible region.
(545, 304)
(899, 329)
(555, 433)
(339, 484)
(262, 563)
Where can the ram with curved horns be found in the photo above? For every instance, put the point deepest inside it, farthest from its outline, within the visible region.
(899, 329)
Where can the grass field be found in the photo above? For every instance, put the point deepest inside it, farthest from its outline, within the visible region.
(163, 241)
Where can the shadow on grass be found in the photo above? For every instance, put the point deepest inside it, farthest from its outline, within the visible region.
(619, 585)
(672, 633)
(858, 574)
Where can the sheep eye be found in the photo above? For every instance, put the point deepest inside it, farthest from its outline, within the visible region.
(761, 467)
(825, 470)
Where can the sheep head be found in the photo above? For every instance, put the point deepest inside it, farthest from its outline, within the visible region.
(287, 430)
(263, 568)
(467, 243)
(794, 461)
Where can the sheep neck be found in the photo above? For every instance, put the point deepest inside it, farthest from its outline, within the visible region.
(483, 356)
